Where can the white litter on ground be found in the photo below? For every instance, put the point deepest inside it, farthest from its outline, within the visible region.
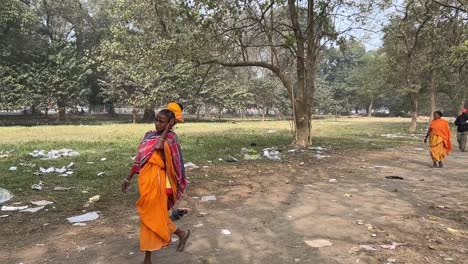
(208, 198)
(59, 188)
(190, 165)
(271, 153)
(5, 195)
(100, 173)
(79, 224)
(83, 218)
(317, 148)
(378, 167)
(33, 210)
(37, 186)
(54, 154)
(319, 156)
(394, 245)
(3, 216)
(225, 232)
(103, 159)
(318, 243)
(13, 208)
(41, 202)
(92, 200)
(13, 168)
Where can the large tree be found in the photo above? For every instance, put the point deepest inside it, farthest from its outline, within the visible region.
(285, 37)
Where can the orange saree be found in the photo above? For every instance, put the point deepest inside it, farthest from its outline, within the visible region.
(157, 185)
(439, 140)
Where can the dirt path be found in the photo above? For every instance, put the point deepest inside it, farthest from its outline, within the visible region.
(272, 208)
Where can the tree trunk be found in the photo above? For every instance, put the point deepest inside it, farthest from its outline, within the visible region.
(134, 115)
(301, 96)
(198, 113)
(46, 114)
(61, 114)
(432, 93)
(463, 100)
(414, 112)
(111, 109)
(369, 110)
(149, 115)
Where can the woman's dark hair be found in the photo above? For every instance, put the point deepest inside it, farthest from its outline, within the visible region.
(167, 113)
(439, 113)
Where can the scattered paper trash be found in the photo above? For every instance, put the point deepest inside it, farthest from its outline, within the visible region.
(318, 243)
(451, 230)
(61, 170)
(348, 195)
(202, 214)
(190, 165)
(59, 188)
(5, 195)
(13, 208)
(3, 216)
(231, 159)
(317, 148)
(332, 180)
(5, 153)
(92, 200)
(71, 165)
(41, 202)
(54, 154)
(89, 162)
(378, 167)
(37, 186)
(319, 156)
(13, 168)
(367, 248)
(33, 210)
(271, 131)
(100, 173)
(198, 225)
(103, 159)
(83, 218)
(394, 245)
(271, 153)
(79, 224)
(225, 232)
(208, 198)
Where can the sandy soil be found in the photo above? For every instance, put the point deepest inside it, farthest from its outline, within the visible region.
(271, 208)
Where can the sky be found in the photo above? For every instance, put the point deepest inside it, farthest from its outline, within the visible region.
(371, 34)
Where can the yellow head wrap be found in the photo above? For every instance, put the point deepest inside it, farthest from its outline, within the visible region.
(175, 108)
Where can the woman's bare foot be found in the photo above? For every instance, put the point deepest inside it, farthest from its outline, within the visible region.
(183, 238)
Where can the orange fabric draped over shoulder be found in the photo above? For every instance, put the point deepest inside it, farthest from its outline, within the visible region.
(156, 227)
(441, 128)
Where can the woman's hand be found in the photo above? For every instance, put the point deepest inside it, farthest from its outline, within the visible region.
(125, 185)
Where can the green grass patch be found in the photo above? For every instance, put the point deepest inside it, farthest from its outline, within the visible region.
(201, 142)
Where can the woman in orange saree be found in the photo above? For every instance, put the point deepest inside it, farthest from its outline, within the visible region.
(161, 182)
(439, 139)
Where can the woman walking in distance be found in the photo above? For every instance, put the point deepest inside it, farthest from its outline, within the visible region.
(439, 139)
(161, 182)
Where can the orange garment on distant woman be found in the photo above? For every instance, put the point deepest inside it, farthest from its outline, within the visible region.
(161, 182)
(439, 140)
